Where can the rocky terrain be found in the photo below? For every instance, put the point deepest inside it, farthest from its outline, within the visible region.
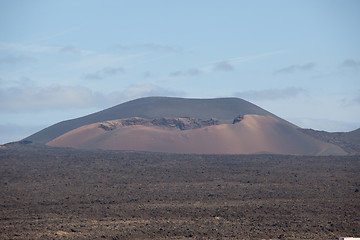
(182, 123)
(59, 193)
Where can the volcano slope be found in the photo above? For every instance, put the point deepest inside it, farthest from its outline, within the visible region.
(156, 107)
(253, 134)
(176, 125)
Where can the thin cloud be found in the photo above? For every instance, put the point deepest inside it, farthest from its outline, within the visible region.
(58, 34)
(193, 72)
(15, 59)
(93, 76)
(190, 72)
(243, 59)
(34, 48)
(295, 68)
(113, 71)
(70, 50)
(229, 64)
(41, 98)
(223, 66)
(149, 47)
(350, 63)
(177, 74)
(148, 74)
(58, 97)
(226, 65)
(357, 99)
(108, 71)
(26, 48)
(143, 90)
(101, 61)
(24, 82)
(270, 94)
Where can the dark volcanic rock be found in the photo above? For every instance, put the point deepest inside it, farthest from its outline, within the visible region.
(170, 122)
(134, 121)
(182, 123)
(111, 125)
(107, 126)
(238, 119)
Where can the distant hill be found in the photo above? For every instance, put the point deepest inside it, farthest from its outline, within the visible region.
(179, 125)
(349, 141)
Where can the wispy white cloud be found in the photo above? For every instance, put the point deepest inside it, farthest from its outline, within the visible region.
(35, 48)
(26, 47)
(41, 98)
(58, 34)
(21, 99)
(270, 94)
(295, 68)
(248, 58)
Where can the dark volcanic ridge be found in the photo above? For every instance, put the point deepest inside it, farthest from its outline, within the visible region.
(182, 123)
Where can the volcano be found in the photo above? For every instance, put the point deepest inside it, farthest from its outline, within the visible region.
(179, 125)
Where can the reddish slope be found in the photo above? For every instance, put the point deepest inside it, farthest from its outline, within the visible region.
(254, 134)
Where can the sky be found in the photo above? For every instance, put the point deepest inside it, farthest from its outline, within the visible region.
(65, 59)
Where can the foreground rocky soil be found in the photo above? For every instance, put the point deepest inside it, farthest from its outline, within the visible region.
(55, 193)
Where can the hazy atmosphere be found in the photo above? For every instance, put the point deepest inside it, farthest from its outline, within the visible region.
(64, 59)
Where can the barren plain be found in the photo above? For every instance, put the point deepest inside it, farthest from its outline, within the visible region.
(61, 193)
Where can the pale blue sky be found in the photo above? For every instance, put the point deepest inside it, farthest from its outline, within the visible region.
(64, 59)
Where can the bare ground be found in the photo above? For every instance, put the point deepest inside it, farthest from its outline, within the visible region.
(54, 193)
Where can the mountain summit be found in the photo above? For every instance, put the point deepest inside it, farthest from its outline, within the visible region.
(179, 125)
